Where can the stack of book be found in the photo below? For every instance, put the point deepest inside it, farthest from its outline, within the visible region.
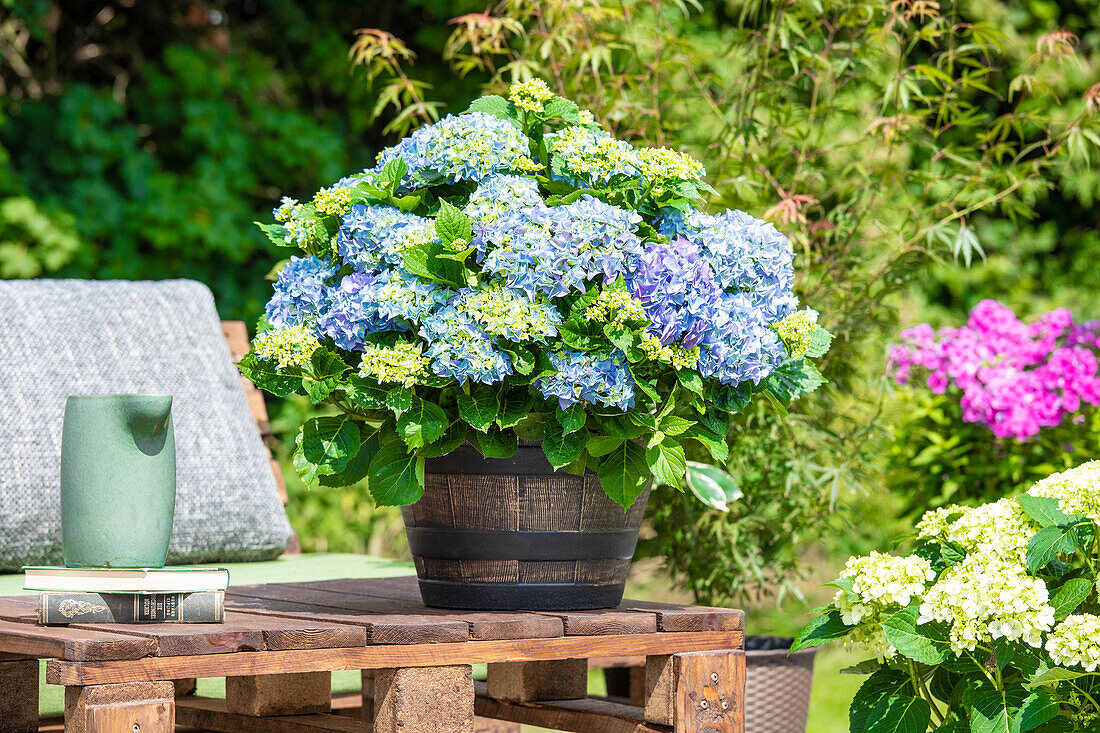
(128, 596)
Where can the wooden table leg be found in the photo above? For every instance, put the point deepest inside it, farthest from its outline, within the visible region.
(148, 707)
(19, 696)
(430, 699)
(697, 691)
(294, 693)
(185, 687)
(561, 679)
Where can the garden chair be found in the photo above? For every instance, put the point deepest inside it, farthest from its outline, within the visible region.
(318, 624)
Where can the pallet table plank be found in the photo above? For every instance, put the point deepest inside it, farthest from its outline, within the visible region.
(581, 716)
(71, 644)
(208, 714)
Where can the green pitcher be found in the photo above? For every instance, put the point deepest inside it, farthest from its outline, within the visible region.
(118, 480)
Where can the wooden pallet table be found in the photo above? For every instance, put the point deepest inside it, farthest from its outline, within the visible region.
(280, 643)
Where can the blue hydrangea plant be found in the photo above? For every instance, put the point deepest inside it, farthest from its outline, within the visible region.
(515, 272)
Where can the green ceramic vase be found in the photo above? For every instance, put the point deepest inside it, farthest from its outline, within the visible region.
(118, 480)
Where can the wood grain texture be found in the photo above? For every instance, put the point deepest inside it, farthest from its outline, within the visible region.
(673, 617)
(609, 622)
(387, 656)
(424, 699)
(697, 692)
(19, 696)
(70, 644)
(279, 694)
(211, 715)
(559, 679)
(185, 686)
(582, 716)
(118, 707)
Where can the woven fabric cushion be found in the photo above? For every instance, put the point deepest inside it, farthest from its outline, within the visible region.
(62, 337)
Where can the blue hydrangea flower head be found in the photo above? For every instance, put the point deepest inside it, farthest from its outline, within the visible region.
(461, 349)
(591, 155)
(602, 378)
(352, 314)
(398, 295)
(510, 313)
(499, 194)
(374, 237)
(677, 288)
(466, 147)
(301, 292)
(741, 345)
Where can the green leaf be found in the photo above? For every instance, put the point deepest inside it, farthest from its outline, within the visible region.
(820, 341)
(992, 710)
(396, 476)
(514, 406)
(1054, 674)
(427, 261)
(326, 368)
(792, 379)
(601, 445)
(479, 408)
(399, 399)
(924, 643)
(899, 713)
(572, 418)
(691, 380)
(1072, 593)
(423, 423)
(561, 448)
(731, 398)
(494, 105)
(389, 178)
(824, 628)
(328, 442)
(561, 109)
(1036, 710)
(366, 394)
(712, 486)
(523, 361)
(879, 686)
(673, 425)
(266, 375)
(1045, 510)
(666, 462)
(623, 474)
(714, 443)
(1048, 543)
(867, 666)
(357, 466)
(495, 443)
(452, 224)
(277, 233)
(451, 439)
(619, 426)
(845, 584)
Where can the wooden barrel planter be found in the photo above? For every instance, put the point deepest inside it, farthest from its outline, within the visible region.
(514, 534)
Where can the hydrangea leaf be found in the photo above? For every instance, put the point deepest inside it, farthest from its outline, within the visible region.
(1050, 675)
(712, 486)
(451, 224)
(495, 443)
(792, 379)
(714, 443)
(691, 380)
(396, 476)
(1048, 543)
(326, 368)
(899, 713)
(277, 233)
(514, 406)
(621, 427)
(561, 109)
(266, 375)
(572, 418)
(673, 425)
(821, 629)
(422, 423)
(731, 398)
(601, 445)
(1037, 709)
(451, 439)
(666, 462)
(867, 666)
(820, 341)
(427, 261)
(1046, 510)
(924, 643)
(495, 105)
(1071, 595)
(523, 361)
(562, 448)
(399, 400)
(479, 408)
(357, 466)
(882, 684)
(328, 442)
(845, 584)
(623, 473)
(992, 710)
(391, 174)
(366, 394)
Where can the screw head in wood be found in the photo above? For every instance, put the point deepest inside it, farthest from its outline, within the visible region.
(725, 705)
(703, 704)
(713, 676)
(136, 728)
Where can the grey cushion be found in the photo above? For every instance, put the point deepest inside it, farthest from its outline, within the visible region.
(62, 337)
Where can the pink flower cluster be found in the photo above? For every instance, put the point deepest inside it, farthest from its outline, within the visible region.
(1015, 377)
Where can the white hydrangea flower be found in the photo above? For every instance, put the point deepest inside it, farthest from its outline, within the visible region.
(934, 523)
(1077, 490)
(986, 597)
(1002, 528)
(885, 584)
(1076, 642)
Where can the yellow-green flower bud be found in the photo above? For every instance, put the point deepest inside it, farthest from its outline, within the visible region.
(288, 347)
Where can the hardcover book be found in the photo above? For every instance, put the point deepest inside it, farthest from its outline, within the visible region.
(136, 580)
(131, 608)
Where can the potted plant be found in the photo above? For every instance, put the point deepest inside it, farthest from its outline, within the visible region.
(990, 624)
(519, 321)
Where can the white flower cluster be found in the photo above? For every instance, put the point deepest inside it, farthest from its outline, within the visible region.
(1076, 642)
(934, 523)
(986, 597)
(1077, 490)
(1001, 528)
(882, 582)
